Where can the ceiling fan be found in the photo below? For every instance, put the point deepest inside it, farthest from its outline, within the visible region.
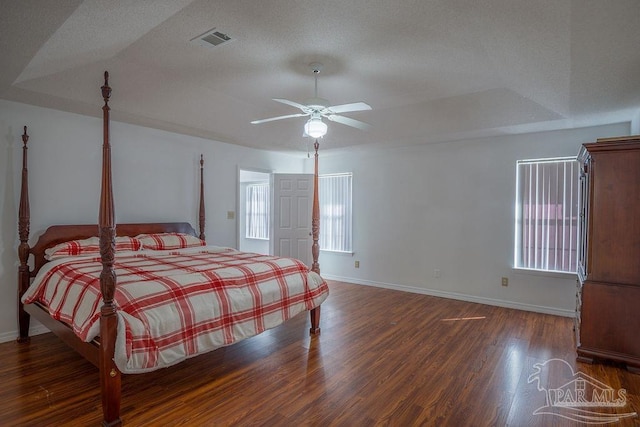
(317, 108)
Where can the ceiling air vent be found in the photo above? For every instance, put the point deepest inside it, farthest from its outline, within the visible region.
(212, 38)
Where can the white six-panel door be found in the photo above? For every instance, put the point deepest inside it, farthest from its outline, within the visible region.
(292, 204)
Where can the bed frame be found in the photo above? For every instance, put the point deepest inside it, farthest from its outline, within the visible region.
(100, 351)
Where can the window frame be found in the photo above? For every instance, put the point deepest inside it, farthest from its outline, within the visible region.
(568, 220)
(266, 214)
(347, 248)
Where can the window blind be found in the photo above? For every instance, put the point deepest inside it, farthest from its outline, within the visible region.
(257, 216)
(546, 214)
(334, 193)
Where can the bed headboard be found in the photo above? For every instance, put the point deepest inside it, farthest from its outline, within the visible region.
(64, 233)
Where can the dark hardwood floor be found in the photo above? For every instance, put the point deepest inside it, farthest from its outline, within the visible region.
(384, 358)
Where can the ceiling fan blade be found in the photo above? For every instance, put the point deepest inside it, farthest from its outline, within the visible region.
(293, 104)
(349, 122)
(255, 122)
(346, 108)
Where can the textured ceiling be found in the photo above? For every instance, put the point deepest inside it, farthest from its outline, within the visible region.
(433, 70)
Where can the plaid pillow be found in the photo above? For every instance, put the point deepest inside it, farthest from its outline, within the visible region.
(163, 241)
(90, 246)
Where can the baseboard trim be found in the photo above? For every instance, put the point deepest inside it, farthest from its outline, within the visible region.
(39, 329)
(458, 296)
(13, 335)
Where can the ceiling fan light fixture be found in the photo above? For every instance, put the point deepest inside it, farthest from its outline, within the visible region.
(316, 108)
(315, 128)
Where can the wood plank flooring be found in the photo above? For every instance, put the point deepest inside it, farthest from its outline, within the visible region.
(383, 358)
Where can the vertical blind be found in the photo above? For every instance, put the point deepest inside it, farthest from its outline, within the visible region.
(547, 214)
(257, 216)
(335, 212)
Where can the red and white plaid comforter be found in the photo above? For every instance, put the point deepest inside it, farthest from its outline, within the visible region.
(173, 305)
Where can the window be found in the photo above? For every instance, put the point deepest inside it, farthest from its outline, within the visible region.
(257, 211)
(334, 193)
(547, 214)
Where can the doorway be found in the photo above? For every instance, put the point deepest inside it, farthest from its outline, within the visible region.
(278, 222)
(254, 205)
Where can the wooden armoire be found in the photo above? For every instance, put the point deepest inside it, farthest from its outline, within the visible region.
(608, 297)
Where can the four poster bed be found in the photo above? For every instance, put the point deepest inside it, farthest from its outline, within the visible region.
(175, 297)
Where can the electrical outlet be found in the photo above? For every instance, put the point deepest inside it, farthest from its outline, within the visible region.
(436, 273)
(357, 264)
(505, 281)
(231, 215)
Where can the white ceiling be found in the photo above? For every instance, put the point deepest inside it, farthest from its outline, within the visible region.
(433, 70)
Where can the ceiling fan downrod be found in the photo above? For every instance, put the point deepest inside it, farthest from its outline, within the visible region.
(316, 67)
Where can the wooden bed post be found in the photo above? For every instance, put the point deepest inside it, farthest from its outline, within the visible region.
(315, 218)
(110, 381)
(201, 213)
(315, 248)
(23, 249)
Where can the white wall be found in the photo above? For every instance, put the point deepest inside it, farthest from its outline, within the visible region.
(449, 207)
(155, 179)
(441, 206)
